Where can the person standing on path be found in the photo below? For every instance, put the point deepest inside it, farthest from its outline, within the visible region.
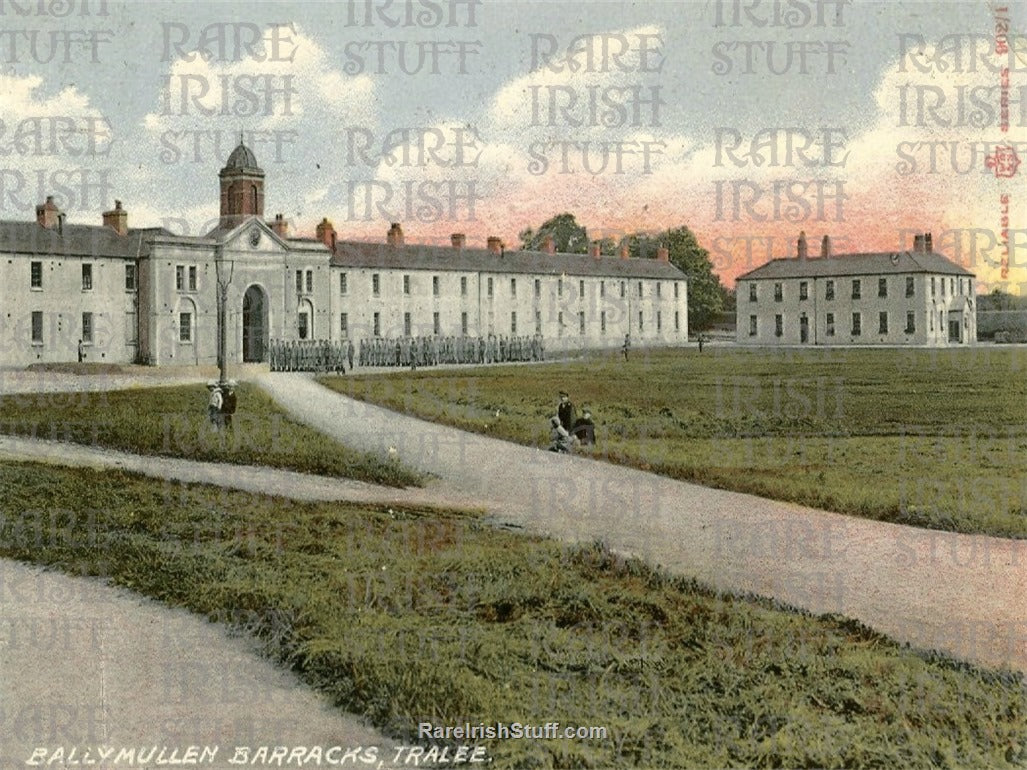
(565, 411)
(349, 353)
(626, 347)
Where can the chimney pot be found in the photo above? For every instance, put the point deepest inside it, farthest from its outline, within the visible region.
(47, 214)
(928, 243)
(395, 235)
(326, 233)
(801, 251)
(918, 243)
(825, 247)
(280, 226)
(458, 239)
(116, 219)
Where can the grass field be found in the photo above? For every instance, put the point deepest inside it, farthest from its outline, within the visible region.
(932, 438)
(172, 422)
(416, 615)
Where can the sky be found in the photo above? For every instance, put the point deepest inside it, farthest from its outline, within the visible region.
(746, 121)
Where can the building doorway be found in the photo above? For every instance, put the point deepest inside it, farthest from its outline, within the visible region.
(803, 329)
(254, 325)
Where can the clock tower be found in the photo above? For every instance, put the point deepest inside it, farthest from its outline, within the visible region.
(242, 187)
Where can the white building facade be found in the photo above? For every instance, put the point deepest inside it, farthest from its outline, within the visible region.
(916, 298)
(120, 295)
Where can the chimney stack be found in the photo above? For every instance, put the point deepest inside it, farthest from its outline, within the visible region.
(326, 233)
(280, 226)
(116, 219)
(825, 247)
(395, 235)
(459, 239)
(801, 251)
(625, 252)
(663, 254)
(918, 243)
(549, 245)
(928, 243)
(594, 250)
(46, 214)
(495, 244)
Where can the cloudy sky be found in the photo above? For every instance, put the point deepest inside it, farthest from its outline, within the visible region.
(867, 121)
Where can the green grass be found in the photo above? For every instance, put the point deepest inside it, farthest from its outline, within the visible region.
(417, 615)
(172, 422)
(931, 438)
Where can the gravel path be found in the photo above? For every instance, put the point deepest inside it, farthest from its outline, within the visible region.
(961, 593)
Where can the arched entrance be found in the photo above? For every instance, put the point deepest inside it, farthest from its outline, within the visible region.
(254, 325)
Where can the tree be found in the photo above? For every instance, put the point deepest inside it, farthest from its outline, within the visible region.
(568, 236)
(705, 293)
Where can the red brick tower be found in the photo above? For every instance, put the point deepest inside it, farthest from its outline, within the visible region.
(242, 187)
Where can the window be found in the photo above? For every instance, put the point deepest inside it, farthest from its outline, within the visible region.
(299, 281)
(37, 327)
(857, 325)
(376, 286)
(407, 324)
(779, 325)
(377, 324)
(659, 320)
(513, 287)
(581, 289)
(463, 286)
(304, 326)
(343, 284)
(581, 322)
(87, 327)
(752, 326)
(752, 292)
(130, 277)
(559, 287)
(932, 287)
(36, 275)
(909, 286)
(942, 281)
(602, 288)
(538, 322)
(513, 323)
(253, 199)
(463, 323)
(185, 327)
(659, 289)
(602, 322)
(910, 322)
(779, 292)
(640, 320)
(538, 288)
(436, 323)
(406, 284)
(87, 277)
(882, 287)
(829, 290)
(675, 289)
(882, 323)
(639, 288)
(344, 324)
(435, 287)
(490, 286)
(857, 289)
(830, 324)
(622, 289)
(180, 278)
(677, 320)
(192, 277)
(310, 281)
(952, 286)
(803, 290)
(931, 317)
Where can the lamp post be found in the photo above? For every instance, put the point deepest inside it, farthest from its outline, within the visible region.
(223, 283)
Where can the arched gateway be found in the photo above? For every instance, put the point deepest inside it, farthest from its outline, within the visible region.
(254, 325)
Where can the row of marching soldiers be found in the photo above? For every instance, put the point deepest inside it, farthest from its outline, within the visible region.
(310, 355)
(431, 351)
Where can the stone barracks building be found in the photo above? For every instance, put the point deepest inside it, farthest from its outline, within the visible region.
(913, 297)
(146, 295)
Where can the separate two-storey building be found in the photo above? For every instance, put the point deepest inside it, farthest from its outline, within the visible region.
(115, 294)
(916, 297)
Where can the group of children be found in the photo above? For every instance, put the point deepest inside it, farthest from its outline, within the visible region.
(221, 404)
(566, 431)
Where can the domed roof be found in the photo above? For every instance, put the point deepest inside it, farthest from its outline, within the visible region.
(242, 157)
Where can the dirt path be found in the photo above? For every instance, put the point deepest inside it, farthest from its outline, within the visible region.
(961, 593)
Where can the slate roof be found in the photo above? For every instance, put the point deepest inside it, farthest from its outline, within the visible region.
(242, 158)
(422, 257)
(74, 240)
(876, 263)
